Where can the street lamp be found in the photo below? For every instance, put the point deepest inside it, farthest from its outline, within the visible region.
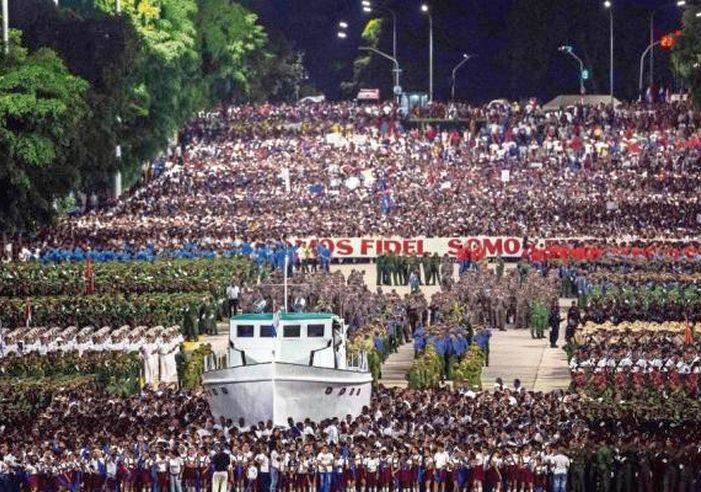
(368, 9)
(608, 5)
(570, 51)
(343, 25)
(342, 35)
(679, 4)
(385, 55)
(465, 58)
(642, 60)
(425, 10)
(5, 27)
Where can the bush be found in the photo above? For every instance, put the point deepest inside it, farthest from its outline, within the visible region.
(106, 310)
(138, 277)
(192, 367)
(427, 371)
(467, 372)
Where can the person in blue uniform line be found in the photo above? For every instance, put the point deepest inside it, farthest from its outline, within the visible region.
(419, 340)
(482, 340)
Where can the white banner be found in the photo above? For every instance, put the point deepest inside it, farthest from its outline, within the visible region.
(371, 247)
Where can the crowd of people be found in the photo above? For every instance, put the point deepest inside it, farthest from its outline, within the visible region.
(630, 362)
(157, 346)
(347, 170)
(429, 440)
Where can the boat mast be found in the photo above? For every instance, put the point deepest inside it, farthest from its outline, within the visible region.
(287, 261)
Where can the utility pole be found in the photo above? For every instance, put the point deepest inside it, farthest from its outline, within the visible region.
(5, 27)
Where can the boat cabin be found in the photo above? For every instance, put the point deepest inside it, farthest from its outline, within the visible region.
(310, 339)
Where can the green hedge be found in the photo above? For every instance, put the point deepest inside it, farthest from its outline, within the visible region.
(185, 309)
(467, 371)
(427, 371)
(55, 279)
(190, 368)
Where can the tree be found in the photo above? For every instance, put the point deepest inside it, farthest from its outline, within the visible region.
(279, 73)
(686, 57)
(100, 49)
(368, 68)
(230, 38)
(41, 107)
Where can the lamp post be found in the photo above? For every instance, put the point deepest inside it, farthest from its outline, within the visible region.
(465, 59)
(642, 61)
(679, 3)
(385, 55)
(5, 27)
(608, 5)
(426, 10)
(368, 8)
(570, 51)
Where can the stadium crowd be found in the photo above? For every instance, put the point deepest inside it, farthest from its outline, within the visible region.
(257, 174)
(439, 440)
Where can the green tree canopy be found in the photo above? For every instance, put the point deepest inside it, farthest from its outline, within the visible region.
(41, 107)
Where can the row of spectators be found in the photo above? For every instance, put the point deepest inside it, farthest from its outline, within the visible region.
(272, 172)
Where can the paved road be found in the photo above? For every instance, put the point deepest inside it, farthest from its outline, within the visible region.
(514, 354)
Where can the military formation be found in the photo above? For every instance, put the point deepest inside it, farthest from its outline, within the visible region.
(393, 269)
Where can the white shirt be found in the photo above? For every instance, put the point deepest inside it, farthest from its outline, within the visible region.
(175, 465)
(440, 459)
(264, 463)
(325, 461)
(560, 463)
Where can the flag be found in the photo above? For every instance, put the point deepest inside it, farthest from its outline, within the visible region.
(88, 277)
(276, 322)
(688, 335)
(28, 313)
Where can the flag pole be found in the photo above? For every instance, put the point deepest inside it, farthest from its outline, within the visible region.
(287, 261)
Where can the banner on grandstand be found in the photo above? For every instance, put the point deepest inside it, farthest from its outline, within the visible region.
(371, 247)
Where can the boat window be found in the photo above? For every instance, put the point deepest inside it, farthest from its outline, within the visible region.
(315, 331)
(292, 331)
(267, 331)
(244, 331)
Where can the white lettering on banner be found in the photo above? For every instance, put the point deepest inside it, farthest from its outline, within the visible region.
(371, 247)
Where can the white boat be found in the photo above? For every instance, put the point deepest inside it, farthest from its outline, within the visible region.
(287, 365)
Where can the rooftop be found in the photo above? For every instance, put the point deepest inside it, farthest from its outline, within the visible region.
(283, 316)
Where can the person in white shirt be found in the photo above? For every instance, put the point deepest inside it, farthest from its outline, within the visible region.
(274, 467)
(263, 470)
(233, 291)
(325, 461)
(440, 462)
(175, 470)
(560, 464)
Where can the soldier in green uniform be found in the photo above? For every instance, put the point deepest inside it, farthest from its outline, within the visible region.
(381, 267)
(500, 267)
(403, 268)
(413, 265)
(426, 265)
(394, 269)
(434, 263)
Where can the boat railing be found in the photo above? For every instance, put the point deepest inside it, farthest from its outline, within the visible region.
(358, 361)
(216, 360)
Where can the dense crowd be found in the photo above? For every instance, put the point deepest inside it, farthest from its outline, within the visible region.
(347, 170)
(509, 439)
(28, 347)
(631, 362)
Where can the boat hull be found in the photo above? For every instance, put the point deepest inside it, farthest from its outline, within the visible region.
(276, 391)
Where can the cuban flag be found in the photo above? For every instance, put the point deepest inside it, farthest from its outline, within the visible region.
(276, 322)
